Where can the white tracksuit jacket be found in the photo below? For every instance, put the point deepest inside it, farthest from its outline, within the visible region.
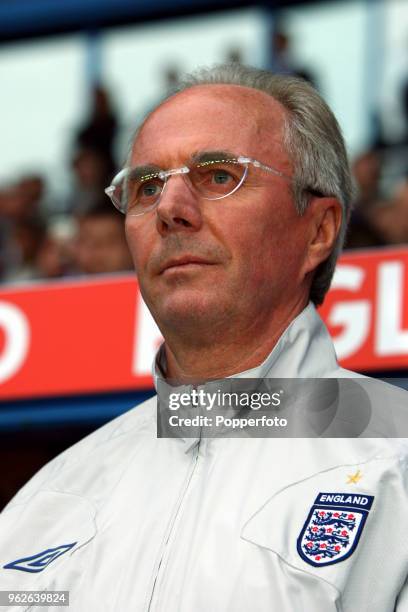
(131, 523)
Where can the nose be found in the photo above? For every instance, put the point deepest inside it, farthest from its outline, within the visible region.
(178, 209)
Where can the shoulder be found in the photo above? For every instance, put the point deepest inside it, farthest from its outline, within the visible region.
(378, 408)
(60, 505)
(101, 454)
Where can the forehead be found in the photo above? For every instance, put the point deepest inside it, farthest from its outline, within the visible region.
(212, 117)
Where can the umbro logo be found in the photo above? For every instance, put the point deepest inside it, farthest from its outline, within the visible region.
(37, 563)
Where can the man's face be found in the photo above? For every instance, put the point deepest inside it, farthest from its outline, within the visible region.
(250, 245)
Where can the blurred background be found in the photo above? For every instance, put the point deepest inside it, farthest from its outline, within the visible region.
(77, 76)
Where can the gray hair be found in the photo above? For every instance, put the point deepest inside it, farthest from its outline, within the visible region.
(312, 138)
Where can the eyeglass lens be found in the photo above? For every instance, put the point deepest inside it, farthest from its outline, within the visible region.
(213, 180)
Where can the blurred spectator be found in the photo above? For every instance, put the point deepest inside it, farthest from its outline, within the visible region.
(171, 77)
(234, 55)
(367, 173)
(28, 248)
(101, 245)
(22, 200)
(55, 258)
(93, 171)
(88, 242)
(391, 220)
(99, 131)
(32, 187)
(25, 241)
(21, 228)
(281, 55)
(362, 231)
(50, 261)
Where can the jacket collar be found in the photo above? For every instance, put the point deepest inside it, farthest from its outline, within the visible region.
(304, 350)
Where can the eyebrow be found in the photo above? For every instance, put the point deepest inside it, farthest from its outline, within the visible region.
(208, 156)
(145, 172)
(150, 170)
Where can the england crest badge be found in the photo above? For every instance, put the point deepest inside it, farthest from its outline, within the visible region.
(333, 527)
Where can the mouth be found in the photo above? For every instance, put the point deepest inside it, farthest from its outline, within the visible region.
(184, 263)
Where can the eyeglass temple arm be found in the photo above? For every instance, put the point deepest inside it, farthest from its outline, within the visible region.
(257, 164)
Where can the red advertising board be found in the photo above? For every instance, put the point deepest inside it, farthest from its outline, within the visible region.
(96, 335)
(366, 310)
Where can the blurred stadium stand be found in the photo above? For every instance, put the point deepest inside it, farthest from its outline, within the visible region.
(28, 18)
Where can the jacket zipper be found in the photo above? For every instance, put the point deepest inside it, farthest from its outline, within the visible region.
(174, 518)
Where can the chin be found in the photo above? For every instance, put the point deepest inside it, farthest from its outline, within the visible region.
(189, 307)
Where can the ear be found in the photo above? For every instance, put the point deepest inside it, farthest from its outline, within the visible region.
(325, 215)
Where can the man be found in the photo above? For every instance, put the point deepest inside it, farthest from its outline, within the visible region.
(236, 197)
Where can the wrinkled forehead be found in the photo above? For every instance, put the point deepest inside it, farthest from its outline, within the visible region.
(212, 117)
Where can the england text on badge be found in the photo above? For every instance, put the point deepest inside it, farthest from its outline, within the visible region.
(333, 527)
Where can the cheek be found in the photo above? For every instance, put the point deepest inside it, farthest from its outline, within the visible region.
(274, 248)
(136, 240)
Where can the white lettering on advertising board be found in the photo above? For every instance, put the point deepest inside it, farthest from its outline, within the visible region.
(16, 329)
(147, 338)
(356, 315)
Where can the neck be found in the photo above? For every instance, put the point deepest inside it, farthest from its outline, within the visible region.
(215, 355)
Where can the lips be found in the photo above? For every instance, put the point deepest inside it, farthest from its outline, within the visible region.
(184, 261)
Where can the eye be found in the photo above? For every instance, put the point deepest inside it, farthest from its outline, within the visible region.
(217, 178)
(148, 190)
(221, 177)
(145, 191)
